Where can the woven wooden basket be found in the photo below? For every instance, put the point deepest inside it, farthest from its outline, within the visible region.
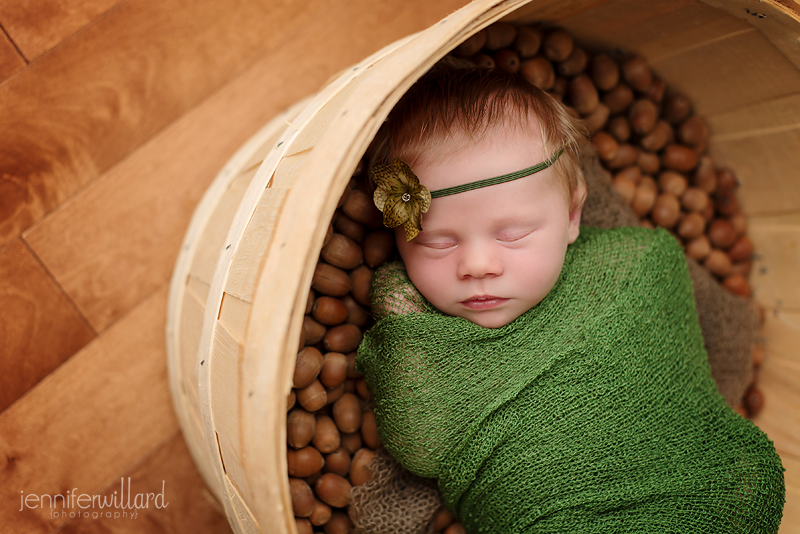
(241, 283)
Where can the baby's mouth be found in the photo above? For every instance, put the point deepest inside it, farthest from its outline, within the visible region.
(483, 302)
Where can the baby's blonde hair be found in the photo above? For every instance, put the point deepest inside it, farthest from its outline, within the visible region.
(461, 105)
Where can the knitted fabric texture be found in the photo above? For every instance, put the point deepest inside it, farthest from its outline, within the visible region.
(729, 322)
(595, 411)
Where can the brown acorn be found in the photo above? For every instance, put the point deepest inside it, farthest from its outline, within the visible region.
(304, 462)
(583, 94)
(312, 397)
(483, 60)
(333, 490)
(679, 158)
(342, 252)
(558, 45)
(307, 366)
(619, 98)
(637, 74)
(676, 108)
(672, 182)
(575, 64)
(527, 42)
(339, 523)
(607, 147)
(472, 45)
(329, 311)
(342, 338)
(595, 120)
(300, 428)
(347, 413)
(330, 280)
(605, 72)
(359, 474)
(347, 226)
(666, 211)
(337, 462)
(648, 162)
(658, 137)
(643, 116)
(334, 369)
(302, 497)
(507, 59)
(619, 128)
(539, 72)
(500, 35)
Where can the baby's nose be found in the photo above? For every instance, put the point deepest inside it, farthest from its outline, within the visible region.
(479, 262)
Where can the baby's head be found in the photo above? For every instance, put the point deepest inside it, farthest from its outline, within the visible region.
(490, 253)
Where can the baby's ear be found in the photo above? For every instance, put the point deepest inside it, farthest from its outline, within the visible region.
(575, 210)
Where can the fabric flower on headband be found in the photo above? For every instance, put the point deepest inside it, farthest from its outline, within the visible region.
(400, 197)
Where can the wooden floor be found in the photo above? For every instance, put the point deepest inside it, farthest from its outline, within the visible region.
(114, 118)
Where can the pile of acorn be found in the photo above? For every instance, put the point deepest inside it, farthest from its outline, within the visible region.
(654, 150)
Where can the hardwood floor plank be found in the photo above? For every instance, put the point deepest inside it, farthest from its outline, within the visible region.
(118, 240)
(38, 25)
(10, 59)
(89, 421)
(90, 102)
(190, 507)
(39, 326)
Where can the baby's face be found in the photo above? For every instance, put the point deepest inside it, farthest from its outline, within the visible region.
(490, 254)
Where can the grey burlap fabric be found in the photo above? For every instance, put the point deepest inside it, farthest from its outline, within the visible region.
(394, 501)
(398, 502)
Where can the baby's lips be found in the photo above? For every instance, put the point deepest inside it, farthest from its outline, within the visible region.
(483, 302)
(481, 297)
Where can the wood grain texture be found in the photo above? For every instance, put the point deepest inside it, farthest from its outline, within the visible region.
(38, 25)
(628, 25)
(729, 73)
(776, 20)
(778, 378)
(80, 109)
(10, 59)
(118, 240)
(90, 420)
(775, 278)
(190, 508)
(39, 326)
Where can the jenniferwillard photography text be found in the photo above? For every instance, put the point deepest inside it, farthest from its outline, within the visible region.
(122, 504)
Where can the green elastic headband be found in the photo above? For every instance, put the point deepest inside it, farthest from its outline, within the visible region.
(498, 179)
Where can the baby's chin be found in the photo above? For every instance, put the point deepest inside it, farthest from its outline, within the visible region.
(492, 318)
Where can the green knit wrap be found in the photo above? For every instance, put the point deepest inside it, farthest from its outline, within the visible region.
(595, 411)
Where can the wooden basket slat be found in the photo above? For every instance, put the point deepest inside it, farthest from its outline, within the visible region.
(243, 519)
(249, 254)
(226, 384)
(205, 259)
(234, 314)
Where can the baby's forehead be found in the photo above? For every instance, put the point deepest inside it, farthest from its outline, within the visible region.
(520, 129)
